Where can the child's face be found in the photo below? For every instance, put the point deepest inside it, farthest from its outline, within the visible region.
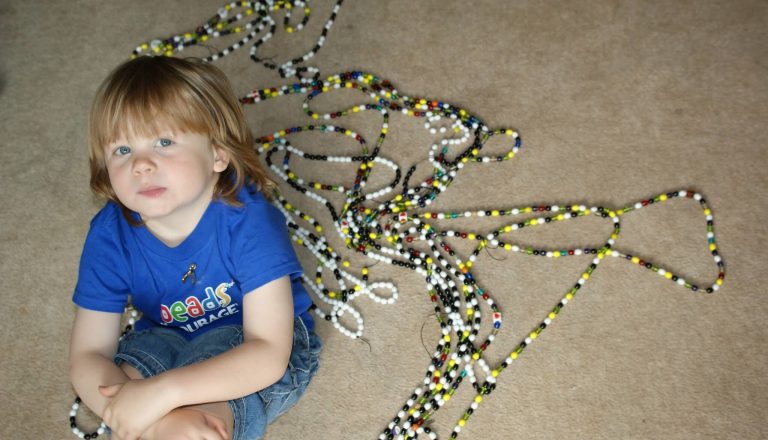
(167, 179)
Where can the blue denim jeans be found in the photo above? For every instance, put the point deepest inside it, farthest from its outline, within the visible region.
(155, 350)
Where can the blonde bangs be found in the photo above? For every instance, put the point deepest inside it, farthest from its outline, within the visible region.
(149, 110)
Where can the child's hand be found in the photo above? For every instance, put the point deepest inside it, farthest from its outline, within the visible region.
(134, 407)
(187, 424)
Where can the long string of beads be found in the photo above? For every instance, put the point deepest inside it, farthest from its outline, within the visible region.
(248, 19)
(389, 231)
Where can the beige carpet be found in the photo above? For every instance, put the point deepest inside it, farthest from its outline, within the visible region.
(615, 101)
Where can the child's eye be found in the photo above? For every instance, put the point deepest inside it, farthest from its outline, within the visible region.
(122, 151)
(164, 142)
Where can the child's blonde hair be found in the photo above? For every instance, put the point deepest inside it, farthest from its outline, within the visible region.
(148, 95)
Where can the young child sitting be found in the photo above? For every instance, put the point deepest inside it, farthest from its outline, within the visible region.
(226, 342)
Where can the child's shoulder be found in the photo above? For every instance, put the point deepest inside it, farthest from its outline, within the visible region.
(255, 210)
(107, 216)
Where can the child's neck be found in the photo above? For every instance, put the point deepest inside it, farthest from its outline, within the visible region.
(173, 229)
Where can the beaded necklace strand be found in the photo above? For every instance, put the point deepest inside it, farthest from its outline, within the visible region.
(249, 19)
(389, 231)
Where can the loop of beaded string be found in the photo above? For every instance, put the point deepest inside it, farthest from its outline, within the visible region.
(387, 232)
(248, 19)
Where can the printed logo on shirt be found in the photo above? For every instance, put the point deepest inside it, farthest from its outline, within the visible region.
(197, 313)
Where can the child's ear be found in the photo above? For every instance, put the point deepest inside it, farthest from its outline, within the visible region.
(220, 159)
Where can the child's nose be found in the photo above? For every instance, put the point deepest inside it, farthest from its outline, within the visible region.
(143, 165)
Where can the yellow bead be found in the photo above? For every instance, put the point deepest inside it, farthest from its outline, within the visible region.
(315, 116)
(345, 263)
(513, 355)
(289, 30)
(447, 338)
(585, 276)
(471, 236)
(332, 294)
(495, 373)
(461, 422)
(446, 397)
(663, 197)
(495, 213)
(319, 228)
(364, 271)
(668, 275)
(478, 399)
(476, 356)
(534, 335)
(635, 260)
(569, 296)
(507, 228)
(552, 315)
(719, 282)
(429, 260)
(707, 212)
(712, 247)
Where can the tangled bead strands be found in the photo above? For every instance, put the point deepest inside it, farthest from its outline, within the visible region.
(250, 19)
(389, 231)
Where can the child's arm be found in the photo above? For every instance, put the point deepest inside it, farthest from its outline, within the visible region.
(258, 362)
(91, 349)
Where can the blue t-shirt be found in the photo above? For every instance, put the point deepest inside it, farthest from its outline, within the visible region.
(234, 250)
